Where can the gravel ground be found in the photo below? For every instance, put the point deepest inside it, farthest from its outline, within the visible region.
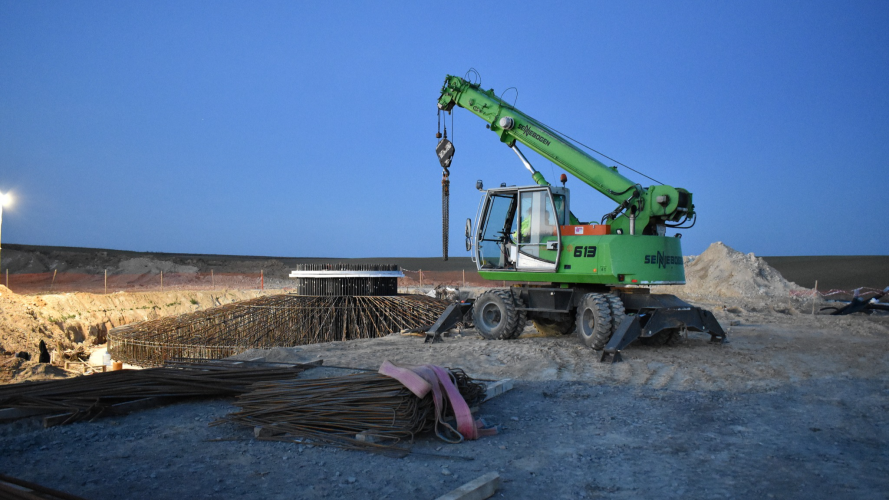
(818, 439)
(794, 406)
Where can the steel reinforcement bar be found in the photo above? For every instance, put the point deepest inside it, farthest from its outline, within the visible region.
(271, 321)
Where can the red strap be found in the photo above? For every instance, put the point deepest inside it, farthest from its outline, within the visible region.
(420, 379)
(410, 379)
(465, 424)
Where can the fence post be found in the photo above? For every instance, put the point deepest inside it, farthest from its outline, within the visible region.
(814, 297)
(421, 277)
(54, 271)
(464, 278)
(212, 279)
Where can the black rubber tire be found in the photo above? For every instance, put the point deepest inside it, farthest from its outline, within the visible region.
(495, 316)
(618, 312)
(594, 323)
(522, 316)
(548, 326)
(668, 337)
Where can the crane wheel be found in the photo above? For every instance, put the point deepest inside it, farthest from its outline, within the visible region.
(618, 312)
(668, 337)
(522, 316)
(554, 327)
(495, 316)
(594, 320)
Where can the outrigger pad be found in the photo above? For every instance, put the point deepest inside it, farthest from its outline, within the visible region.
(627, 331)
(650, 322)
(450, 317)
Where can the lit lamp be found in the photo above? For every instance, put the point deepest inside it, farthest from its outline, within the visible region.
(5, 199)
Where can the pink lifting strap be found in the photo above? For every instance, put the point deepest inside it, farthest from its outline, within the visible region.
(411, 380)
(421, 379)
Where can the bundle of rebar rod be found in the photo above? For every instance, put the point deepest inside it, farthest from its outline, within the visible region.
(88, 397)
(12, 488)
(272, 321)
(352, 411)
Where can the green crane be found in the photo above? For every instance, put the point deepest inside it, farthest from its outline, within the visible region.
(592, 277)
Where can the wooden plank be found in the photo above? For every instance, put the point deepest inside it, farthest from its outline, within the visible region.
(17, 413)
(477, 489)
(497, 388)
(262, 431)
(55, 420)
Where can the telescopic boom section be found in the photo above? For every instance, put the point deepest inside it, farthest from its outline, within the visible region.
(650, 207)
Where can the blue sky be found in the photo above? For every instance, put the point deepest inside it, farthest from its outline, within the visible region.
(307, 128)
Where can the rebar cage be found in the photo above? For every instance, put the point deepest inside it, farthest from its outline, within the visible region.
(346, 279)
(272, 321)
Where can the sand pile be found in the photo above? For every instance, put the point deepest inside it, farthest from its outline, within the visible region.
(15, 370)
(24, 371)
(722, 271)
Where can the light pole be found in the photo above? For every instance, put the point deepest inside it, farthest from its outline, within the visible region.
(5, 199)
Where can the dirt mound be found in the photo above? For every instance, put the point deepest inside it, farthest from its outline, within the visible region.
(16, 370)
(722, 271)
(33, 371)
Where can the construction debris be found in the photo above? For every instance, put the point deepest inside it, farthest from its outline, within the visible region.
(497, 388)
(477, 489)
(858, 304)
(124, 391)
(360, 411)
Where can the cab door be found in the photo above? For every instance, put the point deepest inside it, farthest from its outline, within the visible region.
(539, 242)
(493, 225)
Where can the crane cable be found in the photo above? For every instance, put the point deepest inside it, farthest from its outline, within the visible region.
(477, 74)
(600, 153)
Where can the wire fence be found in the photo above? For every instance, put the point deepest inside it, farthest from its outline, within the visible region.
(449, 278)
(43, 283)
(836, 294)
(64, 282)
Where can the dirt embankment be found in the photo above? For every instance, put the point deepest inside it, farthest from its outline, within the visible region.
(25, 259)
(80, 320)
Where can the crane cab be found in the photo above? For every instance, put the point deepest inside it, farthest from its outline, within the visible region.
(517, 228)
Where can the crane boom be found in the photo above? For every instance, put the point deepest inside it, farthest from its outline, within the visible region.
(649, 207)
